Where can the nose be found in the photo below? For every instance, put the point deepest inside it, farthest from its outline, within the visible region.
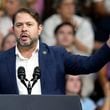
(24, 28)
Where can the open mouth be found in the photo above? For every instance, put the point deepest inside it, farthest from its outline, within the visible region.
(24, 37)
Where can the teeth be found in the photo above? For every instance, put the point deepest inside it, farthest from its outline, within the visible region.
(24, 36)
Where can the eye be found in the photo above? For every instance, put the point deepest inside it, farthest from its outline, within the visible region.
(61, 32)
(18, 25)
(29, 24)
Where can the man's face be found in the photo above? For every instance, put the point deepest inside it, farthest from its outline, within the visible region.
(26, 29)
(65, 36)
(67, 8)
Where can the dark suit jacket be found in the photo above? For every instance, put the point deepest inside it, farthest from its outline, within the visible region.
(54, 63)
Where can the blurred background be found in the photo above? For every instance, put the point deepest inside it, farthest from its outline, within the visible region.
(81, 27)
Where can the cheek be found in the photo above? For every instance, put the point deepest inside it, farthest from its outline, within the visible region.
(34, 32)
(61, 41)
(70, 38)
(72, 9)
(59, 38)
(70, 85)
(67, 39)
(17, 32)
(78, 85)
(7, 44)
(75, 85)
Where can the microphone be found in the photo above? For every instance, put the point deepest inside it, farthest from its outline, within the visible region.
(36, 75)
(22, 75)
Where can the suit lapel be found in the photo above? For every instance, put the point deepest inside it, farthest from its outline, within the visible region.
(11, 64)
(42, 55)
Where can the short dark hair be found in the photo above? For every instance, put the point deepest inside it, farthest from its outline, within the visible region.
(57, 3)
(65, 24)
(29, 11)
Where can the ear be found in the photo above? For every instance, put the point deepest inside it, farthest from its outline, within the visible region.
(40, 29)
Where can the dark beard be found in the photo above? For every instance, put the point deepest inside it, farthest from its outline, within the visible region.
(30, 45)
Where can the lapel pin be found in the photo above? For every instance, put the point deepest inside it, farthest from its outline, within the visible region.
(44, 52)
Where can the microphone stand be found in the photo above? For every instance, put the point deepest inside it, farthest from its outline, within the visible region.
(29, 88)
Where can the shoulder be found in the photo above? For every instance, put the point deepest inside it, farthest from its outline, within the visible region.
(82, 20)
(100, 102)
(52, 19)
(5, 19)
(88, 101)
(58, 52)
(78, 18)
(55, 49)
(6, 54)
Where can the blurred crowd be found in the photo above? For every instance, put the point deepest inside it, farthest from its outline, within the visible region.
(81, 27)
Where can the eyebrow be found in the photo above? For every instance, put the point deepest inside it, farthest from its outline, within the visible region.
(24, 22)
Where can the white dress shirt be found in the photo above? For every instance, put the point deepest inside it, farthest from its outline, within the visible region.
(29, 64)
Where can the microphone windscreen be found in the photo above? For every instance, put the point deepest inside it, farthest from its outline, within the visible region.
(36, 72)
(21, 72)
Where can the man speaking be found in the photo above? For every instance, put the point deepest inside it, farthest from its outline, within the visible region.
(32, 67)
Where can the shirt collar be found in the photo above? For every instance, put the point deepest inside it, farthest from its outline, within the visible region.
(17, 52)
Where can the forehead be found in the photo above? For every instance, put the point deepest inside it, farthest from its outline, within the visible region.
(73, 77)
(66, 28)
(24, 17)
